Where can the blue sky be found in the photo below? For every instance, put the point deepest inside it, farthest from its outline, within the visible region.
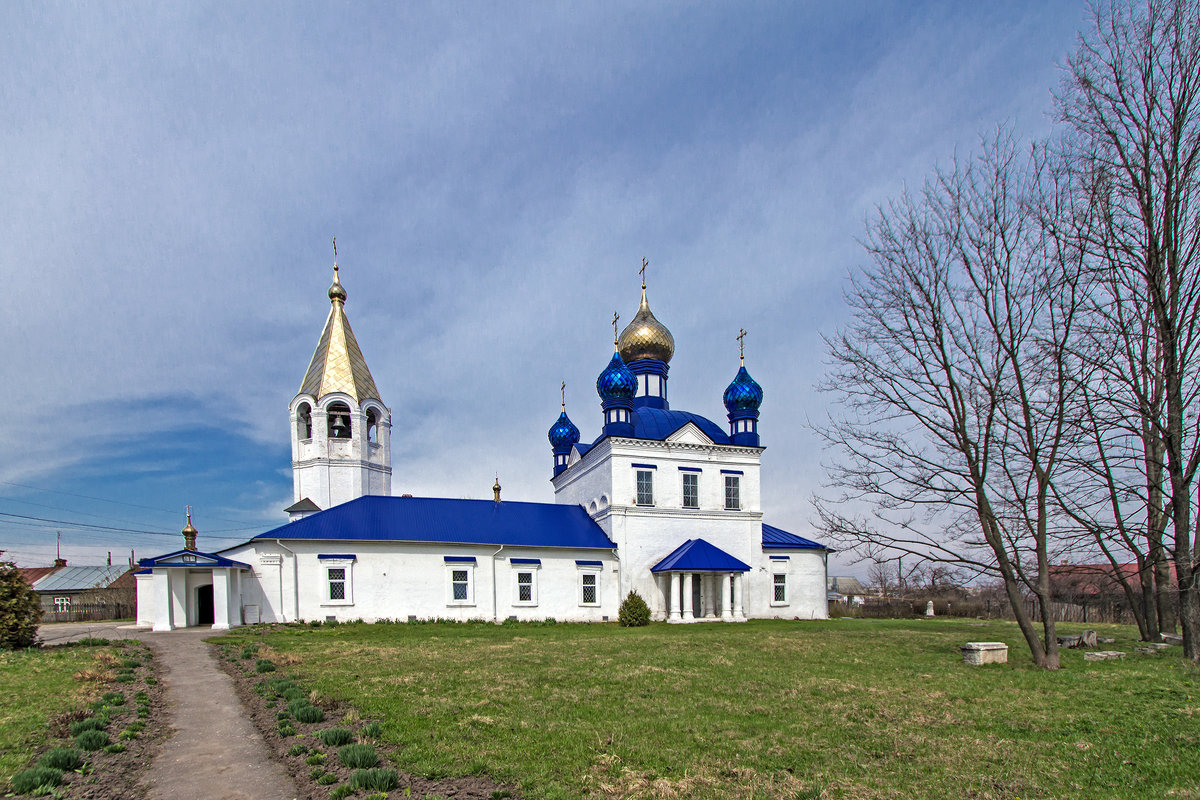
(494, 174)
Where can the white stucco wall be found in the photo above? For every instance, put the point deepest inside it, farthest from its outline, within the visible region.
(389, 580)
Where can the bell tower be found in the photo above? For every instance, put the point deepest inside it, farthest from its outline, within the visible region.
(341, 430)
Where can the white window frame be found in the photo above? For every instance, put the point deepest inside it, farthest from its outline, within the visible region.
(518, 570)
(737, 487)
(62, 605)
(594, 572)
(779, 569)
(683, 487)
(637, 489)
(347, 581)
(458, 566)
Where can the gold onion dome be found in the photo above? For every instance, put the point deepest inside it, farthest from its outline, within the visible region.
(645, 337)
(336, 290)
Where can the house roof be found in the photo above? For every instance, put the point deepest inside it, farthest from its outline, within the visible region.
(697, 555)
(778, 539)
(199, 560)
(79, 579)
(32, 575)
(659, 423)
(433, 519)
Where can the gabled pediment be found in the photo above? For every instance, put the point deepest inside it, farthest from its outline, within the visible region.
(689, 434)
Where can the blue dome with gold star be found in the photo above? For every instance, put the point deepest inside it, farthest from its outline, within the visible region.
(563, 432)
(616, 382)
(743, 394)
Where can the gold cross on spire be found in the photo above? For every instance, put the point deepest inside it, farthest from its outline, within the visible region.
(335, 267)
(564, 395)
(741, 337)
(642, 271)
(189, 515)
(616, 317)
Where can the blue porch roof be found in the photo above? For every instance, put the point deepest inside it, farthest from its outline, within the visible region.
(175, 559)
(778, 539)
(432, 519)
(697, 555)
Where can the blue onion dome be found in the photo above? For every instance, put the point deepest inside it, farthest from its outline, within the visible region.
(616, 382)
(744, 393)
(563, 432)
(645, 337)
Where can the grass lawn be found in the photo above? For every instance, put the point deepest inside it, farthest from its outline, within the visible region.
(35, 685)
(766, 709)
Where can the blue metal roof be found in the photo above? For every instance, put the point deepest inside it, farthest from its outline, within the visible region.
(659, 423)
(697, 555)
(433, 519)
(775, 538)
(175, 559)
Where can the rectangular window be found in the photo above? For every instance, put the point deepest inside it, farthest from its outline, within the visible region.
(588, 593)
(691, 490)
(62, 604)
(645, 487)
(733, 492)
(780, 589)
(524, 587)
(336, 577)
(461, 582)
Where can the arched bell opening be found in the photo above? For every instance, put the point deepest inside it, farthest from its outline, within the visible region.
(304, 421)
(339, 421)
(372, 426)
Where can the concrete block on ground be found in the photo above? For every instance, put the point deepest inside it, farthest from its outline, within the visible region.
(1103, 655)
(976, 653)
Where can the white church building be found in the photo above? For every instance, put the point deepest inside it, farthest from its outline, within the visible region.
(662, 502)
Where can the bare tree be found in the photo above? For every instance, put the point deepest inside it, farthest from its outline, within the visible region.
(954, 380)
(1129, 101)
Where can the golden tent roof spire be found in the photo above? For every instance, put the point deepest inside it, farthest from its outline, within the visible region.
(337, 364)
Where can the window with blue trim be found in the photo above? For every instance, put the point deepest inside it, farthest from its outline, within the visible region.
(338, 581)
(589, 585)
(645, 487)
(461, 579)
(733, 493)
(691, 490)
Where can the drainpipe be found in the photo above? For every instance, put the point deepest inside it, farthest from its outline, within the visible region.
(495, 602)
(295, 583)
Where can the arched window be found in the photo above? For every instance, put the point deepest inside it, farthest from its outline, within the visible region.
(372, 426)
(339, 421)
(304, 421)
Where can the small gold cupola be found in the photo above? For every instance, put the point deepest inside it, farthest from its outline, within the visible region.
(189, 533)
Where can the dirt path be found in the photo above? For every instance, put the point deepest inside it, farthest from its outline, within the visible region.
(215, 752)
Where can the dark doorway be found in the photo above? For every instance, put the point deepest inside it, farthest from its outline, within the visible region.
(697, 596)
(204, 605)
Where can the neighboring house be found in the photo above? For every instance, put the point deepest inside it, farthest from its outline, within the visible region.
(843, 589)
(76, 594)
(664, 502)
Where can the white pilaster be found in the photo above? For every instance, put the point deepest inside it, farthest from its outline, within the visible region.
(162, 599)
(738, 580)
(688, 607)
(220, 587)
(673, 604)
(726, 582)
(708, 593)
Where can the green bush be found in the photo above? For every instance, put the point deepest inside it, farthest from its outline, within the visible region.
(634, 613)
(263, 665)
(30, 780)
(297, 750)
(249, 651)
(372, 730)
(91, 641)
(91, 740)
(113, 699)
(62, 758)
(335, 737)
(375, 780)
(135, 726)
(131, 663)
(358, 756)
(88, 724)
(297, 704)
(316, 772)
(286, 730)
(124, 679)
(116, 747)
(310, 714)
(328, 779)
(20, 609)
(294, 693)
(315, 759)
(127, 734)
(341, 792)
